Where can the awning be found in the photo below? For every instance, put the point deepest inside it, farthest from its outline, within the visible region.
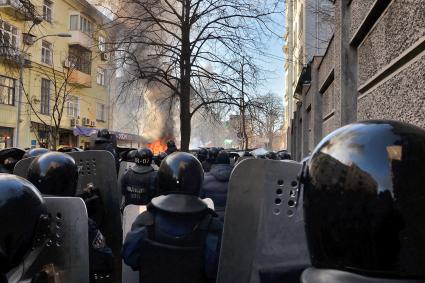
(87, 132)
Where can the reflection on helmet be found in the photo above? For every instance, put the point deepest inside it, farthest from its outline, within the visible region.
(363, 200)
(180, 173)
(21, 210)
(143, 157)
(55, 174)
(35, 152)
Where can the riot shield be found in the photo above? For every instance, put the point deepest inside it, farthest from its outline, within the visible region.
(263, 237)
(97, 170)
(21, 168)
(129, 215)
(124, 166)
(66, 249)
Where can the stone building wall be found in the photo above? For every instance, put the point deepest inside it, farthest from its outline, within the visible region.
(374, 68)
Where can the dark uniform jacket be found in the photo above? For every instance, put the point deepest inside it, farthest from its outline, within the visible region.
(215, 186)
(179, 248)
(138, 186)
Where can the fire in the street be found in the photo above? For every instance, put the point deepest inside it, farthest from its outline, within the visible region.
(158, 146)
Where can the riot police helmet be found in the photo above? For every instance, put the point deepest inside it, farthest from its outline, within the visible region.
(363, 200)
(35, 152)
(143, 157)
(202, 154)
(180, 173)
(284, 155)
(103, 135)
(271, 155)
(22, 211)
(131, 154)
(212, 154)
(55, 174)
(223, 157)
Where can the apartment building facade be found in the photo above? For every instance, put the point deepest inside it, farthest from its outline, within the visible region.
(373, 68)
(53, 72)
(309, 28)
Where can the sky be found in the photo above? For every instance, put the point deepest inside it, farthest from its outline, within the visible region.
(275, 60)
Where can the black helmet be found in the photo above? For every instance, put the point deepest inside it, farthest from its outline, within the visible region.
(55, 174)
(284, 155)
(180, 173)
(131, 154)
(35, 152)
(271, 155)
(143, 157)
(212, 154)
(202, 154)
(171, 143)
(223, 157)
(364, 191)
(103, 135)
(22, 209)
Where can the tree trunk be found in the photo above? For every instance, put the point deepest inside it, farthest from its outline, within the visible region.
(185, 79)
(185, 121)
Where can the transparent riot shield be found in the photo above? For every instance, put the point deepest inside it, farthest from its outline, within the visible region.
(65, 254)
(129, 215)
(263, 237)
(96, 170)
(124, 166)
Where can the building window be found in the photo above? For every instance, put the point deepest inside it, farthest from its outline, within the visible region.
(73, 106)
(8, 36)
(7, 90)
(47, 11)
(46, 52)
(80, 58)
(73, 22)
(100, 76)
(101, 115)
(45, 97)
(102, 44)
(85, 25)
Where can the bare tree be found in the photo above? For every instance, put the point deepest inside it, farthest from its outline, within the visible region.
(191, 49)
(267, 119)
(49, 114)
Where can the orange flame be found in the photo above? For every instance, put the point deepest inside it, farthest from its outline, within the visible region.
(158, 146)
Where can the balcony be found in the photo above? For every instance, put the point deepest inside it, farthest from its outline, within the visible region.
(80, 38)
(80, 79)
(22, 10)
(12, 55)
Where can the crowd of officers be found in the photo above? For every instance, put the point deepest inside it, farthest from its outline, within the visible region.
(363, 190)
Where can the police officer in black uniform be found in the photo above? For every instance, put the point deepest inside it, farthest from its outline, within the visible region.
(178, 237)
(284, 155)
(364, 192)
(56, 174)
(104, 141)
(202, 156)
(22, 213)
(171, 147)
(138, 185)
(212, 156)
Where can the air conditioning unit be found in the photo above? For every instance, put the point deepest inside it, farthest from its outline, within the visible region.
(73, 122)
(66, 63)
(104, 56)
(86, 122)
